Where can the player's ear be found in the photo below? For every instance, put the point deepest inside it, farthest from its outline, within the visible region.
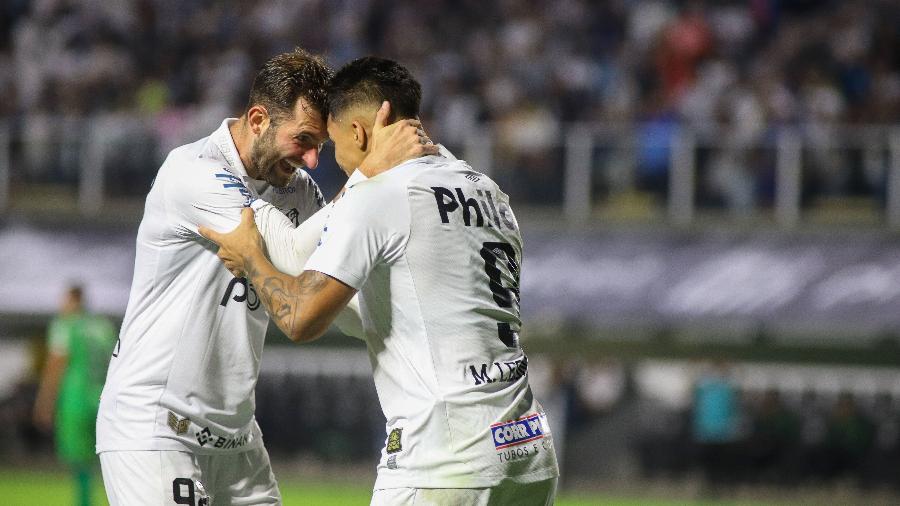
(258, 119)
(360, 136)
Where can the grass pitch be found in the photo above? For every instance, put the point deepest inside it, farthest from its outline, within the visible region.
(29, 487)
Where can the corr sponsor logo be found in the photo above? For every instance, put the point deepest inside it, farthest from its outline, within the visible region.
(516, 432)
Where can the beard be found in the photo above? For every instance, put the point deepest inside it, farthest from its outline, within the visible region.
(266, 164)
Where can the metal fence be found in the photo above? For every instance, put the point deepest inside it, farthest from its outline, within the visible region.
(674, 172)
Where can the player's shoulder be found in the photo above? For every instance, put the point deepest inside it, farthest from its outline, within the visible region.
(178, 160)
(59, 323)
(308, 185)
(377, 201)
(393, 180)
(101, 322)
(298, 200)
(302, 189)
(440, 171)
(196, 170)
(378, 192)
(393, 187)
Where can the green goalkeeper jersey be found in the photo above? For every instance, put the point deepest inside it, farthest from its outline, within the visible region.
(86, 341)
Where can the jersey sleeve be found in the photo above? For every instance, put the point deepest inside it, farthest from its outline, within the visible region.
(349, 320)
(58, 336)
(368, 226)
(312, 199)
(103, 329)
(289, 249)
(213, 198)
(298, 201)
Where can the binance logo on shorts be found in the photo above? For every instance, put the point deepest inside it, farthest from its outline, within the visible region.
(180, 426)
(204, 436)
(393, 443)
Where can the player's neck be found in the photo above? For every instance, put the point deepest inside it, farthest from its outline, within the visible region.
(243, 140)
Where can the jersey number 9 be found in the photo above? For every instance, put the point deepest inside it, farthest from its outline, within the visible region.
(504, 296)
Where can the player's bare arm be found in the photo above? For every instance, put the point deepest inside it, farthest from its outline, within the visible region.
(48, 390)
(302, 306)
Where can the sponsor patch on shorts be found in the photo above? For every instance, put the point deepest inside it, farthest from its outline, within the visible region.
(525, 429)
(206, 436)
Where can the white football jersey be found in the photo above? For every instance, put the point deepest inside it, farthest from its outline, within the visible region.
(435, 250)
(184, 372)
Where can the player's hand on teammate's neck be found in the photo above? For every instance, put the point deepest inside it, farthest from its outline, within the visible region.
(394, 143)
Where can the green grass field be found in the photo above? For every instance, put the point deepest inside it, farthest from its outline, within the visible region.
(27, 488)
(22, 487)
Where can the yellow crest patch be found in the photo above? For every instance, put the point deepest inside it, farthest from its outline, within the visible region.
(179, 426)
(393, 443)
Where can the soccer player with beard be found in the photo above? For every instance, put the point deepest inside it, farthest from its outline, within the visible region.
(176, 423)
(437, 271)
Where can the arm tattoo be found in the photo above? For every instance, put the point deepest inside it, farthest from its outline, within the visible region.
(283, 294)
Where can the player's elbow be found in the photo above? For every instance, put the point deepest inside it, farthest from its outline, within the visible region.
(301, 336)
(304, 332)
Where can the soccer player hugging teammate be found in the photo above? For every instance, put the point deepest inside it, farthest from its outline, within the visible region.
(176, 423)
(434, 249)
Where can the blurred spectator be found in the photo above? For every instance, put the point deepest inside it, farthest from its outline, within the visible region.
(716, 424)
(79, 346)
(813, 425)
(848, 438)
(655, 132)
(773, 443)
(735, 71)
(681, 48)
(17, 408)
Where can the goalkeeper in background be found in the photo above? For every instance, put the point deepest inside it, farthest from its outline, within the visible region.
(68, 396)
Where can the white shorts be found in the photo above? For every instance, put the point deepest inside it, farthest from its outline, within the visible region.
(156, 478)
(539, 493)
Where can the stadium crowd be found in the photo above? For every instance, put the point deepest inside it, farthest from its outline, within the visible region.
(730, 433)
(746, 436)
(734, 70)
(785, 440)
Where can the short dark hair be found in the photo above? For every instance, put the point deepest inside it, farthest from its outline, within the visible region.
(372, 80)
(287, 77)
(76, 291)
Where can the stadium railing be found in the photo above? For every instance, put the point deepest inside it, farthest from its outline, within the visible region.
(669, 172)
